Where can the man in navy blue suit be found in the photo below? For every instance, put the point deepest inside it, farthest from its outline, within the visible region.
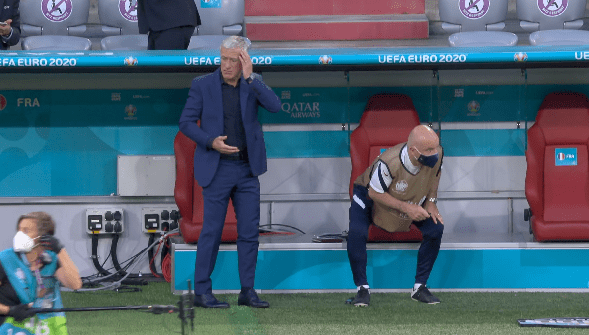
(9, 23)
(169, 24)
(230, 154)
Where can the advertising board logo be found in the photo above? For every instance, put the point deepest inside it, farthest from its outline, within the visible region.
(3, 102)
(474, 9)
(302, 110)
(28, 102)
(520, 57)
(552, 7)
(473, 106)
(130, 111)
(565, 156)
(128, 10)
(131, 61)
(325, 59)
(56, 10)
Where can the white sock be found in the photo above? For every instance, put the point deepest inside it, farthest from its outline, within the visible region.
(365, 286)
(416, 287)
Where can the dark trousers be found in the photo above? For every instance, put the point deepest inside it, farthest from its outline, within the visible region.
(360, 221)
(234, 180)
(176, 38)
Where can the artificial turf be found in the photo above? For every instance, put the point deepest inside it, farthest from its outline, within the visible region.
(312, 313)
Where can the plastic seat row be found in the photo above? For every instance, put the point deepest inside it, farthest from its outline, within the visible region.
(557, 175)
(58, 24)
(480, 22)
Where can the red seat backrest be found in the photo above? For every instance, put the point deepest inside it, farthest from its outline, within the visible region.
(387, 121)
(188, 195)
(559, 193)
(183, 188)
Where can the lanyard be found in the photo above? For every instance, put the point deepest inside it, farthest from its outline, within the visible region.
(40, 285)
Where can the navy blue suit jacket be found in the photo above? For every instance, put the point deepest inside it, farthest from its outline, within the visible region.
(158, 15)
(205, 103)
(9, 10)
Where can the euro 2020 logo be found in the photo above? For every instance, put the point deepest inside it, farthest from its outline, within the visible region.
(473, 107)
(131, 61)
(325, 59)
(130, 111)
(520, 57)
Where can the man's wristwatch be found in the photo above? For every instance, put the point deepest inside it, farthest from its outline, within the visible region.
(250, 78)
(433, 200)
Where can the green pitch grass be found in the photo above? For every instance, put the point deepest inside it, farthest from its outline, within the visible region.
(389, 313)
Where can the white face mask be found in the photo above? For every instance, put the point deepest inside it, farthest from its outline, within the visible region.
(23, 243)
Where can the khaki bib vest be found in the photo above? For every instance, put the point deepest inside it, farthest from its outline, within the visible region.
(414, 189)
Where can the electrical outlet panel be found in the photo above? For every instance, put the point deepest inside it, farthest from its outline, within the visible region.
(105, 220)
(159, 219)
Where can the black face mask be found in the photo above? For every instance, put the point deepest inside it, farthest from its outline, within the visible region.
(429, 161)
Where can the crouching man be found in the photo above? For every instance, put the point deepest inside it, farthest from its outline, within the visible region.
(398, 189)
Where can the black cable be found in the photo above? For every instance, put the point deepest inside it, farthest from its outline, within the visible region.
(120, 271)
(97, 275)
(165, 250)
(282, 225)
(113, 252)
(106, 259)
(129, 261)
(114, 285)
(97, 265)
(127, 289)
(150, 254)
(105, 272)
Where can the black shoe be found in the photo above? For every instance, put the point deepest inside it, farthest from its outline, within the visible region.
(208, 300)
(362, 298)
(249, 297)
(422, 294)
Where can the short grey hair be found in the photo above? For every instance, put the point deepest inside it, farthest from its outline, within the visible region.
(234, 42)
(45, 223)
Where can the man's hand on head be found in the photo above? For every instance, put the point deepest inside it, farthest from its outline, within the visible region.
(246, 64)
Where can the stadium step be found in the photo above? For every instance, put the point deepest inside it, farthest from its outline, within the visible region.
(333, 7)
(337, 27)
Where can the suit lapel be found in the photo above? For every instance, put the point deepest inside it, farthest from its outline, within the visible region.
(217, 92)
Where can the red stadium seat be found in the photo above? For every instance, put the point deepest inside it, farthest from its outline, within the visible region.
(188, 195)
(387, 121)
(559, 194)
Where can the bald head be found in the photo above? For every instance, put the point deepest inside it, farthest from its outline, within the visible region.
(422, 140)
(422, 135)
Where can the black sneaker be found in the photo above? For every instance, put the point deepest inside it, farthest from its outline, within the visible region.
(362, 298)
(422, 294)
